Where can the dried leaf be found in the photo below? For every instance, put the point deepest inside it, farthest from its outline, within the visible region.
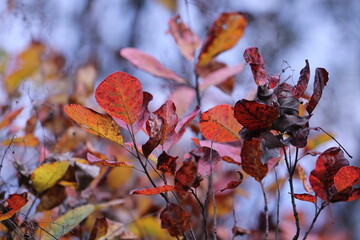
(302, 84)
(227, 29)
(305, 197)
(168, 113)
(47, 175)
(175, 219)
(251, 159)
(233, 184)
(187, 41)
(321, 78)
(206, 157)
(256, 61)
(101, 160)
(219, 125)
(121, 96)
(155, 129)
(14, 203)
(347, 176)
(304, 179)
(53, 197)
(255, 116)
(99, 229)
(166, 163)
(68, 221)
(153, 191)
(185, 177)
(149, 64)
(96, 123)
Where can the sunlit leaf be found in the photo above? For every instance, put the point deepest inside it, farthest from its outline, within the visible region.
(251, 159)
(9, 118)
(28, 140)
(187, 41)
(255, 116)
(121, 96)
(101, 160)
(305, 197)
(321, 78)
(347, 176)
(219, 125)
(221, 75)
(166, 163)
(68, 221)
(149, 64)
(168, 113)
(153, 191)
(149, 226)
(26, 64)
(96, 123)
(14, 203)
(99, 229)
(47, 175)
(317, 140)
(327, 165)
(175, 219)
(304, 179)
(227, 29)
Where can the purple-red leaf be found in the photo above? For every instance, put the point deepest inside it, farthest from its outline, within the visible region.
(168, 113)
(175, 219)
(251, 159)
(149, 64)
(321, 78)
(255, 116)
(155, 128)
(121, 95)
(101, 160)
(186, 176)
(302, 84)
(206, 156)
(256, 61)
(233, 184)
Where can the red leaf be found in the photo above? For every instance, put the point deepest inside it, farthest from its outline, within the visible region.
(251, 159)
(185, 176)
(233, 184)
(327, 165)
(346, 177)
(175, 219)
(256, 61)
(14, 203)
(155, 128)
(166, 163)
(153, 191)
(255, 116)
(149, 64)
(168, 113)
(321, 78)
(121, 95)
(99, 229)
(219, 125)
(187, 41)
(302, 84)
(305, 197)
(355, 194)
(101, 160)
(227, 29)
(206, 156)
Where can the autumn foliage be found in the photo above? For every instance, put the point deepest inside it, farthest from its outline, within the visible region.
(86, 184)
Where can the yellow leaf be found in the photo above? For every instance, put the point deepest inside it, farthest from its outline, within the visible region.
(68, 221)
(96, 123)
(313, 142)
(48, 174)
(27, 63)
(28, 140)
(149, 226)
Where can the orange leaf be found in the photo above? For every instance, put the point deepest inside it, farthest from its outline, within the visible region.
(7, 119)
(305, 197)
(28, 140)
(149, 64)
(218, 124)
(251, 159)
(153, 191)
(14, 203)
(346, 177)
(96, 123)
(100, 160)
(121, 96)
(187, 41)
(255, 116)
(227, 29)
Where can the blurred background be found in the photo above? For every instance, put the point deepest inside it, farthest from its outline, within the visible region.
(92, 32)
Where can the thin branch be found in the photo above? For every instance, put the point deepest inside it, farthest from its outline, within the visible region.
(323, 205)
(197, 90)
(336, 142)
(277, 206)
(266, 211)
(7, 149)
(203, 212)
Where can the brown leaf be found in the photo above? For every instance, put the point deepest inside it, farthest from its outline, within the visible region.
(256, 61)
(168, 113)
(155, 128)
(302, 84)
(99, 229)
(53, 197)
(175, 219)
(166, 163)
(185, 176)
(251, 159)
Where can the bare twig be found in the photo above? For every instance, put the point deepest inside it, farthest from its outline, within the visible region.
(203, 212)
(336, 141)
(277, 206)
(323, 205)
(266, 212)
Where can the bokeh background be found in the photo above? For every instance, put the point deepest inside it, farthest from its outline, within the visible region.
(326, 32)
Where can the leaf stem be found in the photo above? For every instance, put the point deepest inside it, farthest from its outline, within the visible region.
(266, 211)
